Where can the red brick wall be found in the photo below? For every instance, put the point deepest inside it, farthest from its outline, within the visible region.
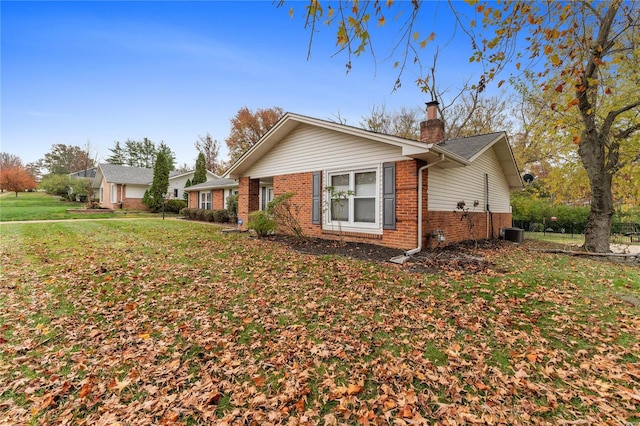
(456, 227)
(406, 232)
(133, 203)
(300, 185)
(248, 198)
(217, 199)
(193, 199)
(404, 236)
(127, 202)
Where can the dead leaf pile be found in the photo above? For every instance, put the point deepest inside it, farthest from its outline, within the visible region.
(187, 325)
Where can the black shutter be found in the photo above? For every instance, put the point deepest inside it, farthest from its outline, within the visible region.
(389, 195)
(316, 208)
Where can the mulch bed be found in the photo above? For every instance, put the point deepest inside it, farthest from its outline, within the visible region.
(462, 257)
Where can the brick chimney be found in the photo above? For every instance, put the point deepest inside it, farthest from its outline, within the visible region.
(432, 130)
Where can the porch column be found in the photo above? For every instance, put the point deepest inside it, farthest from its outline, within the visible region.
(248, 198)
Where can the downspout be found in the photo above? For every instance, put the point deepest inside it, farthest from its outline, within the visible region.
(420, 170)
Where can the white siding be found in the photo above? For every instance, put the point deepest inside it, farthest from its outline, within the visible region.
(308, 148)
(178, 183)
(449, 186)
(135, 191)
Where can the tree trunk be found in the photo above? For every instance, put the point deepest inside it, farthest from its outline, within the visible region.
(598, 230)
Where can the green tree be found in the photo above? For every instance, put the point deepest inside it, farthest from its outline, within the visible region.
(65, 159)
(140, 153)
(171, 157)
(57, 184)
(582, 48)
(200, 174)
(118, 155)
(154, 197)
(146, 153)
(185, 194)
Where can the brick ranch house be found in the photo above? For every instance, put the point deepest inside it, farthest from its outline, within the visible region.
(120, 186)
(400, 193)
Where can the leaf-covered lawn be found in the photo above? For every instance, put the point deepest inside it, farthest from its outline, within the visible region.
(171, 322)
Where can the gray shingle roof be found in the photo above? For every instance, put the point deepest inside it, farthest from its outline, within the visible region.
(219, 183)
(468, 147)
(129, 175)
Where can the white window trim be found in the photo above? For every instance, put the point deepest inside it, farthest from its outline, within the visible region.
(113, 193)
(227, 193)
(362, 227)
(263, 205)
(204, 199)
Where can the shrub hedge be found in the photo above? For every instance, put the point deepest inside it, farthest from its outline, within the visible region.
(174, 205)
(218, 216)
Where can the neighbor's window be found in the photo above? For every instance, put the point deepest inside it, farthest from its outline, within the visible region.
(228, 193)
(354, 199)
(114, 193)
(205, 200)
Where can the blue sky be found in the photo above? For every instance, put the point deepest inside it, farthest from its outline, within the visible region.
(99, 72)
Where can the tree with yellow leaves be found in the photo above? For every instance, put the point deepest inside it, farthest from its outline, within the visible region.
(585, 49)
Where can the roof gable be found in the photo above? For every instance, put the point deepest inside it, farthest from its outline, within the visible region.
(289, 122)
(216, 183)
(116, 173)
(471, 147)
(456, 152)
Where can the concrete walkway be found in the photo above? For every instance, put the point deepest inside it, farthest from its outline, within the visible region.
(10, 222)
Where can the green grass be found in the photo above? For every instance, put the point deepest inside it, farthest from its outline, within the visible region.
(174, 321)
(42, 206)
(571, 240)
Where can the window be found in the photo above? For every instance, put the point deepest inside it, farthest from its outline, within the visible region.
(175, 192)
(354, 198)
(205, 200)
(114, 193)
(228, 193)
(266, 195)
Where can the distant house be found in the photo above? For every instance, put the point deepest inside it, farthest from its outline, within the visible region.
(396, 192)
(212, 194)
(89, 173)
(123, 186)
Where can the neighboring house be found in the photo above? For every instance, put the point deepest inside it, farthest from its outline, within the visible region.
(397, 192)
(123, 186)
(178, 181)
(212, 194)
(87, 173)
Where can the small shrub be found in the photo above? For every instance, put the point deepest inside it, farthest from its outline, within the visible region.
(188, 212)
(220, 216)
(286, 214)
(200, 214)
(174, 205)
(262, 223)
(209, 215)
(232, 207)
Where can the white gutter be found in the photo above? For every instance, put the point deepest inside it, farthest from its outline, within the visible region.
(420, 170)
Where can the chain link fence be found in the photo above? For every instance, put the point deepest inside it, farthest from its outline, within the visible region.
(621, 232)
